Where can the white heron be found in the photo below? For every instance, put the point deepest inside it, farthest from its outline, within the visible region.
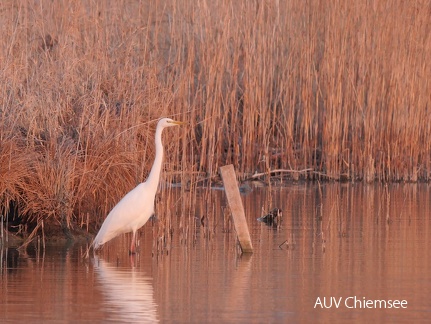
(137, 206)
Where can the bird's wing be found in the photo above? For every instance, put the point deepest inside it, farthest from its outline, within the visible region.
(127, 215)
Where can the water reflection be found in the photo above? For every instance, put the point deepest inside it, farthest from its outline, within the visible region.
(239, 285)
(8, 260)
(335, 240)
(128, 293)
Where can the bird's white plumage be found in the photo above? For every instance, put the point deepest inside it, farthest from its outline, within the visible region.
(130, 214)
(137, 206)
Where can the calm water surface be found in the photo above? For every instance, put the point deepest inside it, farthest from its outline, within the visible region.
(335, 241)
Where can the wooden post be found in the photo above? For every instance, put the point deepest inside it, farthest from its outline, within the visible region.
(236, 207)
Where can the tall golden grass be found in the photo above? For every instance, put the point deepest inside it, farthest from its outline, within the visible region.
(338, 89)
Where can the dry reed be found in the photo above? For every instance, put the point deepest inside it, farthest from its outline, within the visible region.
(340, 90)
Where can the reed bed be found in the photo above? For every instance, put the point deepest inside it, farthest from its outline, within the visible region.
(314, 90)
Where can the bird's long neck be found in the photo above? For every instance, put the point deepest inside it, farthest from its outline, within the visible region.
(154, 176)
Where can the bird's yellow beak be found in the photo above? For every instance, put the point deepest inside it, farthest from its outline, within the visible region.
(177, 122)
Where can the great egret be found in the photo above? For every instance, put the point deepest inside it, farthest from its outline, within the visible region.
(137, 206)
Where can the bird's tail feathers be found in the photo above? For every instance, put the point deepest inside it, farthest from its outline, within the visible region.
(95, 245)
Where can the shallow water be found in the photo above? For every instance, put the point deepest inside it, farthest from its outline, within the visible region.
(336, 240)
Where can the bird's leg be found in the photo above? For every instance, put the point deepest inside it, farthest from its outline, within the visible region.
(133, 244)
(132, 260)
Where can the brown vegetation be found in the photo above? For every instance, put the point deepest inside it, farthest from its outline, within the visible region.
(338, 89)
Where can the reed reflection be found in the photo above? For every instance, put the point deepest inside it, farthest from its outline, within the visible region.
(8, 259)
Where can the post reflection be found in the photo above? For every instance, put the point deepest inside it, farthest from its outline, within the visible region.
(237, 297)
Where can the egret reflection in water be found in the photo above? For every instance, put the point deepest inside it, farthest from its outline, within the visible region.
(129, 294)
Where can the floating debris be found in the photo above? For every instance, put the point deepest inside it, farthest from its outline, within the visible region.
(273, 218)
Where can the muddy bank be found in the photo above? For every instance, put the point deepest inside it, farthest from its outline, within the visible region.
(50, 233)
